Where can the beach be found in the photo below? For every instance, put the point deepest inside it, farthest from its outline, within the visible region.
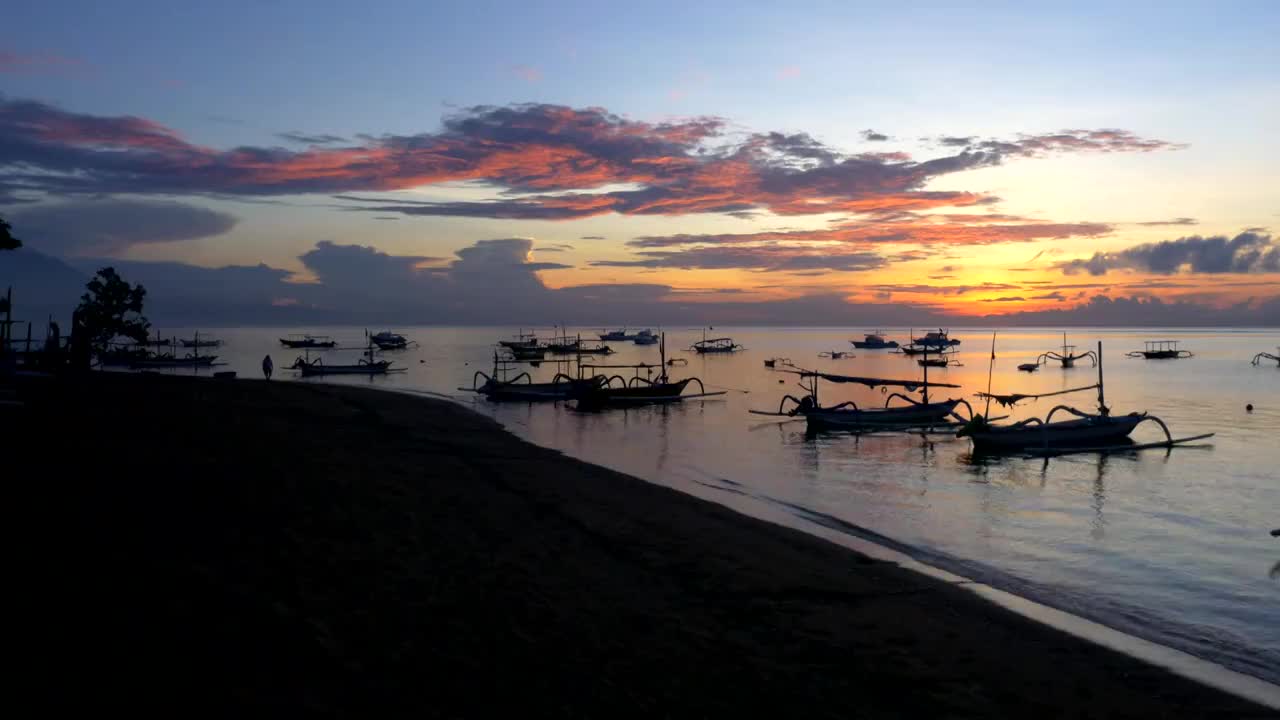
(233, 546)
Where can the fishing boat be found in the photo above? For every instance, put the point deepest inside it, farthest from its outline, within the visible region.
(1029, 367)
(199, 342)
(122, 355)
(387, 340)
(527, 354)
(299, 342)
(935, 339)
(836, 354)
(874, 341)
(1099, 431)
(564, 344)
(1067, 357)
(595, 390)
(523, 340)
(940, 361)
(1160, 350)
(615, 335)
(773, 362)
(916, 349)
(366, 365)
(170, 360)
(1257, 359)
(587, 347)
(501, 385)
(848, 416)
(645, 337)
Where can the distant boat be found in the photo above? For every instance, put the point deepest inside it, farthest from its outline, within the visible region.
(523, 340)
(527, 354)
(645, 337)
(387, 340)
(199, 342)
(874, 341)
(168, 360)
(615, 335)
(1160, 350)
(611, 390)
(298, 342)
(935, 339)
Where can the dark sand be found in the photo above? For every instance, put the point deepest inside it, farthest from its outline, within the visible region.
(228, 546)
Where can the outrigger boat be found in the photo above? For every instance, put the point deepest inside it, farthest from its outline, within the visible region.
(1257, 359)
(836, 354)
(874, 341)
(940, 361)
(298, 342)
(169, 360)
(502, 386)
(1087, 432)
(714, 345)
(592, 348)
(523, 340)
(600, 391)
(527, 354)
(847, 416)
(199, 342)
(1160, 350)
(1067, 357)
(366, 365)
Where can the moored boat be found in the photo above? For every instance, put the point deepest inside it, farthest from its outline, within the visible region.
(387, 340)
(874, 341)
(1099, 431)
(1160, 350)
(935, 339)
(645, 337)
(615, 335)
(303, 341)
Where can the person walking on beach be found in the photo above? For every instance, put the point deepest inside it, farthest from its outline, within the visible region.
(267, 366)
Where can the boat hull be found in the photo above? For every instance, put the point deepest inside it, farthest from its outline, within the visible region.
(871, 418)
(301, 344)
(364, 369)
(639, 395)
(864, 345)
(1084, 432)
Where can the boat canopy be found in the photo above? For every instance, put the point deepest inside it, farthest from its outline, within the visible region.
(870, 382)
(1014, 398)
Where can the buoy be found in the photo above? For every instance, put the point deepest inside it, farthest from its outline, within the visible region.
(1248, 408)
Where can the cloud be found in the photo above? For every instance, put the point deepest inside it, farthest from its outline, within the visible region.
(914, 229)
(306, 139)
(493, 282)
(107, 226)
(11, 62)
(788, 72)
(1010, 298)
(1247, 252)
(956, 141)
(873, 136)
(1175, 221)
(1050, 296)
(592, 237)
(768, 258)
(546, 162)
(940, 289)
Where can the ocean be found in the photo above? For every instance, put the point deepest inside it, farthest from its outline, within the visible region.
(1170, 545)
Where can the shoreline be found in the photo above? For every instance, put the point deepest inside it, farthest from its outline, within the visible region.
(873, 544)
(631, 588)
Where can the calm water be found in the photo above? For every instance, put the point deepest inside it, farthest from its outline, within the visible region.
(1172, 546)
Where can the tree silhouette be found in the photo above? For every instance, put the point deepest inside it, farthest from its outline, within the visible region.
(7, 240)
(112, 308)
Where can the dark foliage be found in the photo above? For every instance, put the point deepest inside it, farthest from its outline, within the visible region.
(113, 308)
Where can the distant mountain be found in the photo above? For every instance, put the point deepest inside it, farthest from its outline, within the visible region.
(42, 286)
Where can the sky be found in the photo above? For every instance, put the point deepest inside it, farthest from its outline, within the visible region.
(809, 163)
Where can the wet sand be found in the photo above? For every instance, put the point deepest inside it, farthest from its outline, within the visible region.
(233, 546)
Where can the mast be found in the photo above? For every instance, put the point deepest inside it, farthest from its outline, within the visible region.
(1102, 401)
(991, 366)
(926, 374)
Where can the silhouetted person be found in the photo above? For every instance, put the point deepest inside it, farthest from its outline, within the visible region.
(267, 366)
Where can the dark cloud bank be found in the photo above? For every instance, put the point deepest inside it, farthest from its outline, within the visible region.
(493, 282)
